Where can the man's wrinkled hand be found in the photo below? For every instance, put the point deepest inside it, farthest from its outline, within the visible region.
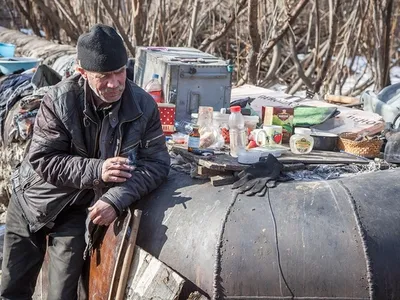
(116, 169)
(102, 213)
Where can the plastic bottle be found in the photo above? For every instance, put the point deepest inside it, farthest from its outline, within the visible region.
(237, 131)
(154, 88)
(301, 142)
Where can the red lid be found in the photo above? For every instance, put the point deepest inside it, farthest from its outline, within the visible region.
(236, 108)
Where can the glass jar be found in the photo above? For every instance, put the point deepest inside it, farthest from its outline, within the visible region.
(205, 117)
(194, 139)
(301, 142)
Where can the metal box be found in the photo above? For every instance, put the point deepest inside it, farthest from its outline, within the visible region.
(190, 77)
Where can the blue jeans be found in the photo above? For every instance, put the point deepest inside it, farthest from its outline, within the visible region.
(24, 252)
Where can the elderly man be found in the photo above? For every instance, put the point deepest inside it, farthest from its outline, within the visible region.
(97, 147)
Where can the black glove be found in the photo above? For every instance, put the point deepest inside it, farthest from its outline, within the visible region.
(259, 176)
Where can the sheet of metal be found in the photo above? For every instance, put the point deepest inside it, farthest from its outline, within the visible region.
(190, 78)
(335, 239)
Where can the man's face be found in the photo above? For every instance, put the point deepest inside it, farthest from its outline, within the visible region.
(108, 86)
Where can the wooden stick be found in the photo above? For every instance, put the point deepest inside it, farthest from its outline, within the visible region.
(126, 266)
(342, 99)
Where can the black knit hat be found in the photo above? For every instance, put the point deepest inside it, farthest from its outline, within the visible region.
(101, 50)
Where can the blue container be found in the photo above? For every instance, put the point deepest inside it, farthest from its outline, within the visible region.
(8, 65)
(7, 50)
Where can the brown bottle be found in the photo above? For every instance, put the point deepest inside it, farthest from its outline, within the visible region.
(194, 139)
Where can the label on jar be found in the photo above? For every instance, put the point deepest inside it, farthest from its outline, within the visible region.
(194, 142)
(302, 145)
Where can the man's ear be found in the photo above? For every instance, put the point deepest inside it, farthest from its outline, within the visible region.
(82, 71)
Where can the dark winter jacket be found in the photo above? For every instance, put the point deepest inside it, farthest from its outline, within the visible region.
(64, 162)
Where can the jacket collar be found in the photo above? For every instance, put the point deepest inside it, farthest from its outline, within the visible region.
(130, 108)
(127, 110)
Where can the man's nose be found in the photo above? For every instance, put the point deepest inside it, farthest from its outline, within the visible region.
(113, 82)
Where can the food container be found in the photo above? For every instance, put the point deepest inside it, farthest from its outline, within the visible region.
(221, 121)
(179, 138)
(281, 116)
(325, 141)
(167, 117)
(10, 65)
(301, 142)
(254, 155)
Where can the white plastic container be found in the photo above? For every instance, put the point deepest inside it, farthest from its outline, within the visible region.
(252, 156)
(237, 131)
(220, 119)
(301, 142)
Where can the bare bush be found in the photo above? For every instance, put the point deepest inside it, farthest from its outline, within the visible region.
(311, 44)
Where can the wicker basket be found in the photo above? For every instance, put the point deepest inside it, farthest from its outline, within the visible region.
(366, 148)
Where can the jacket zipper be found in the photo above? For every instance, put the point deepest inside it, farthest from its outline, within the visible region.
(130, 147)
(120, 132)
(96, 140)
(149, 141)
(97, 135)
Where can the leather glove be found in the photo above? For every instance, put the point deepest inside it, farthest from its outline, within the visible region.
(271, 184)
(259, 176)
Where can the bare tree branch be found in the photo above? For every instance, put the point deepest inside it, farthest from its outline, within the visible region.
(33, 24)
(297, 63)
(68, 16)
(255, 41)
(291, 19)
(222, 32)
(119, 27)
(54, 18)
(333, 23)
(193, 23)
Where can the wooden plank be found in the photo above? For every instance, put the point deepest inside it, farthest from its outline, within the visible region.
(222, 180)
(106, 259)
(323, 157)
(201, 170)
(126, 266)
(225, 162)
(151, 279)
(342, 99)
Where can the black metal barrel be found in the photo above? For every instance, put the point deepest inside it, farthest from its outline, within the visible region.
(337, 239)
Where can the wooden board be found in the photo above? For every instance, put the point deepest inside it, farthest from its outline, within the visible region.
(323, 157)
(149, 278)
(225, 162)
(106, 260)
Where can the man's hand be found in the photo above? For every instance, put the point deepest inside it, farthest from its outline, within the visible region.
(102, 213)
(116, 169)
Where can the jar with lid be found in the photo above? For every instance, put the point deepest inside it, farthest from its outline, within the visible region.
(301, 142)
(194, 138)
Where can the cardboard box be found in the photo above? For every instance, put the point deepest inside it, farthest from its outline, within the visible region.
(167, 117)
(279, 115)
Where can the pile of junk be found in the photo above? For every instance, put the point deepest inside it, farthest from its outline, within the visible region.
(387, 104)
(201, 111)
